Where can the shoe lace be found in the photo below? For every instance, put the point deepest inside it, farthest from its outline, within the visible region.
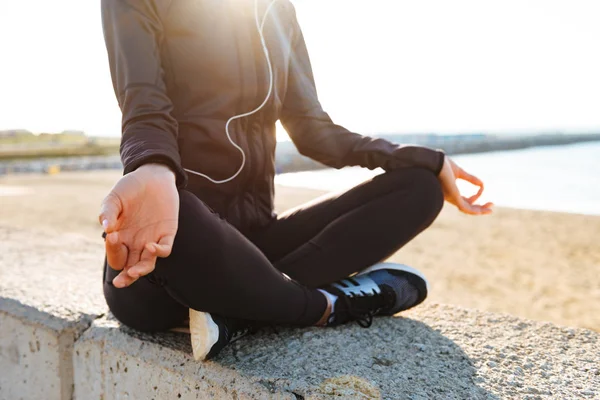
(371, 305)
(238, 333)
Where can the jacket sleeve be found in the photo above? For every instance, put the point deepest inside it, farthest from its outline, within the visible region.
(132, 32)
(317, 137)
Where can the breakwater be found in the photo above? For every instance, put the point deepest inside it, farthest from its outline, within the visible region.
(289, 160)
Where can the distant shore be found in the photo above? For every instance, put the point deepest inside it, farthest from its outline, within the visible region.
(73, 153)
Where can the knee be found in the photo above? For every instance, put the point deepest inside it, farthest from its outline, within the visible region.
(144, 306)
(428, 189)
(186, 200)
(192, 209)
(423, 185)
(188, 208)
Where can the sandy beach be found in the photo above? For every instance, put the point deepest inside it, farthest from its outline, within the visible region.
(539, 265)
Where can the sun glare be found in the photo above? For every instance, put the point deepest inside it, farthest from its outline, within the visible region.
(388, 66)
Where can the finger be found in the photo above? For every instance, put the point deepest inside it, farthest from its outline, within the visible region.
(116, 252)
(466, 208)
(487, 208)
(123, 280)
(144, 266)
(474, 209)
(464, 175)
(133, 257)
(473, 198)
(162, 248)
(109, 212)
(476, 196)
(480, 210)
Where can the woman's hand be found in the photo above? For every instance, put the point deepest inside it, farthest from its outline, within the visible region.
(448, 176)
(140, 216)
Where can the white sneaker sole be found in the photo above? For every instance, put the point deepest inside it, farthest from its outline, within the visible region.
(204, 334)
(397, 267)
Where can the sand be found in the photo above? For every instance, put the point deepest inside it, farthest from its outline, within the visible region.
(538, 265)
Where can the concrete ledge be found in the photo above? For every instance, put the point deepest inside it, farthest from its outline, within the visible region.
(433, 352)
(36, 357)
(49, 295)
(115, 363)
(55, 343)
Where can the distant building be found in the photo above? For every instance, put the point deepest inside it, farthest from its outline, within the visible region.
(73, 133)
(15, 133)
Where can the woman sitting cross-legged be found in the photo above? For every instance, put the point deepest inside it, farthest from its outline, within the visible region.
(190, 230)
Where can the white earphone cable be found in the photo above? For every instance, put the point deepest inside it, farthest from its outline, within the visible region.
(259, 26)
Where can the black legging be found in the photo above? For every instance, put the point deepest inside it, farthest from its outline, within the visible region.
(214, 268)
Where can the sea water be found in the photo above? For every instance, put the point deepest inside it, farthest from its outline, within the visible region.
(554, 178)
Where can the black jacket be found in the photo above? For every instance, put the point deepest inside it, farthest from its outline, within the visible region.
(182, 68)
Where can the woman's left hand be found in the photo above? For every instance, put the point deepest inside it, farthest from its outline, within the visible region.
(448, 176)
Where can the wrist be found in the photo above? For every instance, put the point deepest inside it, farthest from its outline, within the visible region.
(157, 169)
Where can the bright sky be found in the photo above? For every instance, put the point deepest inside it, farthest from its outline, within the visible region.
(380, 65)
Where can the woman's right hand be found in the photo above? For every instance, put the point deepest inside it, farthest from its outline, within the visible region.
(140, 216)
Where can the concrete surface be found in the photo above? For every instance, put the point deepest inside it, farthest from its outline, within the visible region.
(56, 343)
(50, 292)
(436, 351)
(113, 363)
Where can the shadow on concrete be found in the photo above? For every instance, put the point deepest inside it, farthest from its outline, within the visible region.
(397, 358)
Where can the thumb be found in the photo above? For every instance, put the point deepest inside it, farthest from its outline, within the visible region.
(110, 210)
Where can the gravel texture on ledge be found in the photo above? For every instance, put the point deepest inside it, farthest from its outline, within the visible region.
(435, 351)
(55, 281)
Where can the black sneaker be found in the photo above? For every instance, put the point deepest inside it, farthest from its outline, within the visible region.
(210, 333)
(383, 289)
